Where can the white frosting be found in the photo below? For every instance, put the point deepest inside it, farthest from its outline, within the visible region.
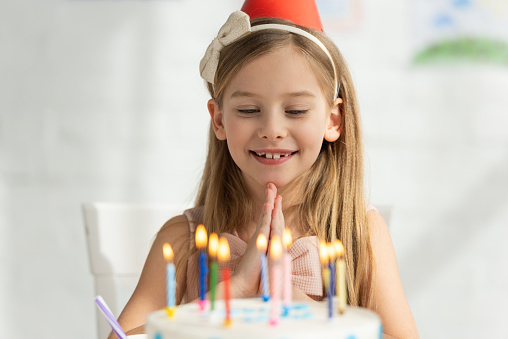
(250, 321)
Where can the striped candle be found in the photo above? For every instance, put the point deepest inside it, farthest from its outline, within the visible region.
(261, 244)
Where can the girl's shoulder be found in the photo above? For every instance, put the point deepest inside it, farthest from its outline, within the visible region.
(184, 223)
(195, 216)
(179, 230)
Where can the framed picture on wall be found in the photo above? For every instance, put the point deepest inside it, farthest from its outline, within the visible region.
(340, 14)
(461, 31)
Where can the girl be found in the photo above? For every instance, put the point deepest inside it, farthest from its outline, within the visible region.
(284, 150)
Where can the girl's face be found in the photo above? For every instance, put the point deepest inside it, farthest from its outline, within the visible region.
(274, 118)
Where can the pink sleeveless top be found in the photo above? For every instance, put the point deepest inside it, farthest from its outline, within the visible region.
(305, 262)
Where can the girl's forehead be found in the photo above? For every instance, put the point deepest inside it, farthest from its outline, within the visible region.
(285, 69)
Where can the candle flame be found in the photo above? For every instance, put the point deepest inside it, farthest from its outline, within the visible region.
(275, 247)
(323, 252)
(201, 237)
(167, 251)
(332, 253)
(339, 248)
(287, 238)
(223, 251)
(261, 242)
(213, 245)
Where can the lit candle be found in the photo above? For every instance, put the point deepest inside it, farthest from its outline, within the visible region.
(201, 240)
(287, 240)
(275, 253)
(167, 251)
(323, 255)
(331, 265)
(341, 276)
(261, 244)
(213, 245)
(223, 256)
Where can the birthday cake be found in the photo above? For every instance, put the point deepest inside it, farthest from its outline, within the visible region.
(250, 319)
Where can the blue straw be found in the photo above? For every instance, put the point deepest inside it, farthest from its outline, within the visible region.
(110, 317)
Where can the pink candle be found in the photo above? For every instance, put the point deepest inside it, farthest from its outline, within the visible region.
(274, 315)
(275, 252)
(287, 240)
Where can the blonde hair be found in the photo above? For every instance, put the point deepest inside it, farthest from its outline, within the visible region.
(334, 206)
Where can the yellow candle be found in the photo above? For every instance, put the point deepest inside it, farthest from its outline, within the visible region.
(341, 277)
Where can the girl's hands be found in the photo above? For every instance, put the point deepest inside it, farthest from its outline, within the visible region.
(246, 278)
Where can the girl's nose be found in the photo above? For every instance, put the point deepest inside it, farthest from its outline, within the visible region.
(272, 127)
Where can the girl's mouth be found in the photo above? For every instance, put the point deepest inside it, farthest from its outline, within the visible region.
(275, 156)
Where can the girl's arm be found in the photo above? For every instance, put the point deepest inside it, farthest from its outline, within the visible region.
(389, 299)
(150, 293)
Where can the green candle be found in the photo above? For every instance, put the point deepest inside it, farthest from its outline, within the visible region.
(214, 271)
(213, 245)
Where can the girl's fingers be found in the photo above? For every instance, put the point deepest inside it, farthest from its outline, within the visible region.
(271, 192)
(277, 222)
(265, 220)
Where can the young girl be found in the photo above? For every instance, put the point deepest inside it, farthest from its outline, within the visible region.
(285, 150)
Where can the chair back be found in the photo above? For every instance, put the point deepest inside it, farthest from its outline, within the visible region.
(119, 236)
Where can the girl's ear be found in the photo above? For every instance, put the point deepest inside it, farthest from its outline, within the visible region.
(217, 120)
(333, 126)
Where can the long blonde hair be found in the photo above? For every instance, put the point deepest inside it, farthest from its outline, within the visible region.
(334, 206)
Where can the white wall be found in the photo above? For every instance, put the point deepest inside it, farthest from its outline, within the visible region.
(101, 100)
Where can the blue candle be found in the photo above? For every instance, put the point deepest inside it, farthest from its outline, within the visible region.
(264, 278)
(262, 244)
(203, 272)
(201, 241)
(171, 288)
(170, 278)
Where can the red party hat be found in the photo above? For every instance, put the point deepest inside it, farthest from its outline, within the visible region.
(300, 12)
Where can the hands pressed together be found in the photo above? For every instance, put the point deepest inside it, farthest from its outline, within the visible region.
(246, 278)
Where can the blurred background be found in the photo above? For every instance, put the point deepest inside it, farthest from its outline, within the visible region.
(102, 101)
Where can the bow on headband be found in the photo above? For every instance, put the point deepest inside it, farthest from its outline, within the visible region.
(237, 25)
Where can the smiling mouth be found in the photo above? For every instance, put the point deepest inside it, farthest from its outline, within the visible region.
(268, 155)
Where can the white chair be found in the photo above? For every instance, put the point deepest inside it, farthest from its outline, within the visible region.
(119, 237)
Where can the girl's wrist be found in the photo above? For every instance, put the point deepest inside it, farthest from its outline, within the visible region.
(236, 290)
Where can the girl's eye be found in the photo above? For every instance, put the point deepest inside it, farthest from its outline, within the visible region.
(248, 111)
(297, 112)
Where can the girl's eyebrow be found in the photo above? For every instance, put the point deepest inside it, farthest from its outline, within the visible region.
(301, 94)
(237, 94)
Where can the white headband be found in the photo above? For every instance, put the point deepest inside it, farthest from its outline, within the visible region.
(238, 25)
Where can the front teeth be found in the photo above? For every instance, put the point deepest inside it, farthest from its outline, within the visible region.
(272, 155)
